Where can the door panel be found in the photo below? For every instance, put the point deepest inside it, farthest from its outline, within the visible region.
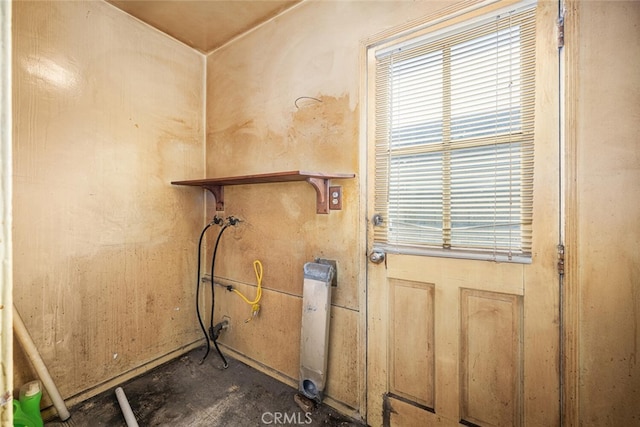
(447, 340)
(455, 340)
(490, 353)
(412, 357)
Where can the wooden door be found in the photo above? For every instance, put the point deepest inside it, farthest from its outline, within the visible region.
(461, 341)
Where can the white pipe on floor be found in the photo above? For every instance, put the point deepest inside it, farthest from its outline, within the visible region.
(32, 352)
(126, 409)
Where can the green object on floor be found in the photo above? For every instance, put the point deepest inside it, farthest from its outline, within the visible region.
(26, 410)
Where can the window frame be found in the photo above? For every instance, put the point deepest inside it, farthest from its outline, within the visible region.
(445, 31)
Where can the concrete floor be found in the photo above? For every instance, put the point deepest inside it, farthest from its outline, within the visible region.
(184, 393)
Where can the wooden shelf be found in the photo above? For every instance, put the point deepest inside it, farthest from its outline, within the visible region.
(319, 181)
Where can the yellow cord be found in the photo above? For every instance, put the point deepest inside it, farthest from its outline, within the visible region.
(255, 307)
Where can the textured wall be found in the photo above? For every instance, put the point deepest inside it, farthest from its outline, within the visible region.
(607, 254)
(106, 113)
(260, 119)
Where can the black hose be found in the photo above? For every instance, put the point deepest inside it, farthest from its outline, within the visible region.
(213, 262)
(212, 335)
(204, 331)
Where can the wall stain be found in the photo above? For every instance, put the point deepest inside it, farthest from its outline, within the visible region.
(323, 131)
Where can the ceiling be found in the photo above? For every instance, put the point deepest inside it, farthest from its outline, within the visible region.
(204, 24)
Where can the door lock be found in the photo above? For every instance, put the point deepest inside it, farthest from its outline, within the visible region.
(376, 257)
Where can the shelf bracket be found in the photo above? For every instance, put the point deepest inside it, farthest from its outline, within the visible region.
(321, 185)
(218, 193)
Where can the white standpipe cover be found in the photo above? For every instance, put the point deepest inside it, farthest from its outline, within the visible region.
(314, 342)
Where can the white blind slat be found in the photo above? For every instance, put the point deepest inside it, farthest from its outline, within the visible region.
(454, 142)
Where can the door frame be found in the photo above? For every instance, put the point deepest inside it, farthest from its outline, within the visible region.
(451, 14)
(6, 247)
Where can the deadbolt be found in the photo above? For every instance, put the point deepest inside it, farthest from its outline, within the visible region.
(377, 220)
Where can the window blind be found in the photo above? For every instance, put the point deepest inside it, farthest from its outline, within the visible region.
(454, 123)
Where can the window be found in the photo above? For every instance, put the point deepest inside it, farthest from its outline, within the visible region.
(454, 140)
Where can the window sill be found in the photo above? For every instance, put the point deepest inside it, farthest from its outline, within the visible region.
(454, 253)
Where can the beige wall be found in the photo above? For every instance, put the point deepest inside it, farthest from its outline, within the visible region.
(255, 126)
(604, 221)
(106, 113)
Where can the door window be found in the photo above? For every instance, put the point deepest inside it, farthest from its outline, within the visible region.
(454, 141)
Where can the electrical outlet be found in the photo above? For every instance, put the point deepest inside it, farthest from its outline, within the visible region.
(335, 198)
(228, 320)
